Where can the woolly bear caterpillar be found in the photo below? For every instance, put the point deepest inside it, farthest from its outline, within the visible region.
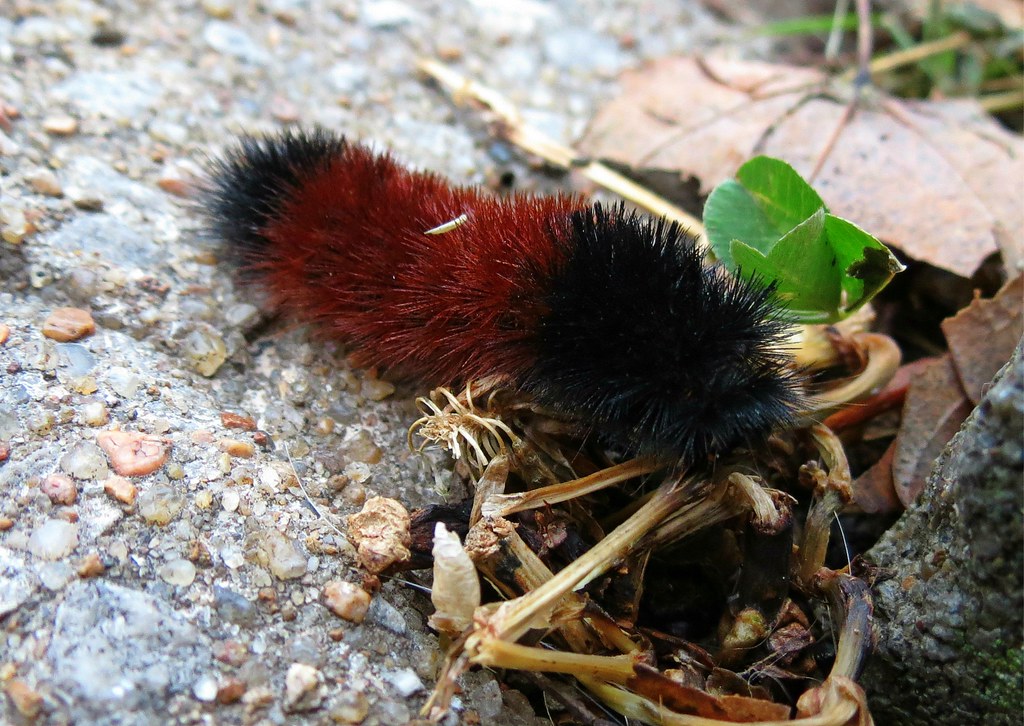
(608, 317)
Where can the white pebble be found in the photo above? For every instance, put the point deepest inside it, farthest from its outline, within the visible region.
(54, 539)
(204, 348)
(95, 413)
(269, 479)
(358, 472)
(55, 575)
(124, 383)
(85, 461)
(178, 572)
(388, 14)
(301, 687)
(230, 500)
(159, 505)
(346, 600)
(13, 224)
(405, 681)
(232, 556)
(45, 182)
(284, 558)
(205, 689)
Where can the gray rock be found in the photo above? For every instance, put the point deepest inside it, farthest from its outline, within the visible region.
(118, 95)
(75, 359)
(575, 48)
(108, 237)
(85, 460)
(112, 652)
(231, 40)
(388, 14)
(17, 584)
(949, 610)
(233, 607)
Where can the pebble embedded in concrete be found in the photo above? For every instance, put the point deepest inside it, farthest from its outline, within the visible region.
(205, 689)
(204, 348)
(59, 488)
(346, 600)
(303, 688)
(53, 539)
(85, 460)
(178, 572)
(159, 505)
(405, 681)
(284, 558)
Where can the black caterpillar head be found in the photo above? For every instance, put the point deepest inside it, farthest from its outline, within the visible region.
(246, 186)
(655, 351)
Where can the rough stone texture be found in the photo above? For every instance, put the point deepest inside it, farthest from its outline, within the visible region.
(114, 102)
(950, 616)
(115, 650)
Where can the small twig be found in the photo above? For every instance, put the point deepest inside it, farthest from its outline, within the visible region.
(891, 397)
(833, 139)
(717, 505)
(766, 513)
(836, 712)
(490, 484)
(502, 557)
(861, 81)
(865, 41)
(512, 619)
(885, 63)
(503, 654)
(850, 602)
(835, 35)
(309, 502)
(996, 102)
(832, 491)
(536, 142)
(883, 360)
(503, 505)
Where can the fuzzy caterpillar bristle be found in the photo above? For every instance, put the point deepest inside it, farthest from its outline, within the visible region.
(606, 316)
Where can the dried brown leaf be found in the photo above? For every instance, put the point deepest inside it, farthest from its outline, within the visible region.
(892, 179)
(936, 406)
(939, 180)
(789, 640)
(674, 696)
(682, 699)
(742, 709)
(702, 119)
(983, 335)
(988, 159)
(874, 491)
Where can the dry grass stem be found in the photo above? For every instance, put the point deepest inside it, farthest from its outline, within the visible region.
(506, 504)
(512, 619)
(512, 128)
(503, 654)
(883, 360)
(833, 490)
